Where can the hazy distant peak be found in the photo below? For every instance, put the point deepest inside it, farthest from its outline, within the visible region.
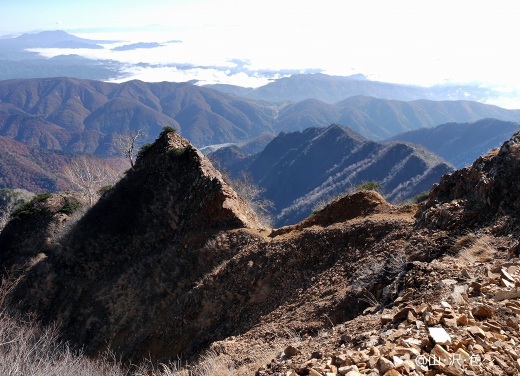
(359, 76)
(136, 46)
(57, 35)
(46, 39)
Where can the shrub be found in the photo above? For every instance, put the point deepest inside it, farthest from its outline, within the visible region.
(41, 197)
(421, 197)
(70, 206)
(369, 186)
(23, 209)
(30, 207)
(103, 190)
(168, 129)
(10, 199)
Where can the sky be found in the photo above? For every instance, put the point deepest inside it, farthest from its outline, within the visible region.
(419, 42)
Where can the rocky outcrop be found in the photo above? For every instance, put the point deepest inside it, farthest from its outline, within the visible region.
(111, 277)
(357, 205)
(489, 190)
(33, 225)
(472, 328)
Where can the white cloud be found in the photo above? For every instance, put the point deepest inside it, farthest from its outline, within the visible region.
(204, 75)
(403, 41)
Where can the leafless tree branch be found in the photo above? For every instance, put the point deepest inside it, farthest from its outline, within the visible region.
(89, 174)
(127, 144)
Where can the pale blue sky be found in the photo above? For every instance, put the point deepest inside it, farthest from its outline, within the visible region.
(409, 41)
(25, 15)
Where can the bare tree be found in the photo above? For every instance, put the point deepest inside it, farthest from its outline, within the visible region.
(88, 174)
(127, 144)
(252, 194)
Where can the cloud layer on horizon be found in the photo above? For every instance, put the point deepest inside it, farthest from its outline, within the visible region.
(224, 55)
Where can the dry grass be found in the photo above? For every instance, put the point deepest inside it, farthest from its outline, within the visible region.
(396, 263)
(471, 248)
(28, 349)
(369, 298)
(463, 242)
(214, 364)
(251, 193)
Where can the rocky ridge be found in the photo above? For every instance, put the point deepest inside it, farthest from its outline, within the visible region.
(300, 171)
(457, 314)
(99, 273)
(472, 328)
(172, 264)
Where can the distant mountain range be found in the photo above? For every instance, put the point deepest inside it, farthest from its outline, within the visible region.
(460, 144)
(292, 88)
(378, 119)
(301, 169)
(82, 116)
(333, 89)
(48, 39)
(40, 170)
(16, 61)
(136, 46)
(69, 115)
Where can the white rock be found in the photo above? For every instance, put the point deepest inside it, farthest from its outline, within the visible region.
(397, 361)
(506, 275)
(440, 336)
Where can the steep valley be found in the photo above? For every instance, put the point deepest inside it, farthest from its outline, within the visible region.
(301, 171)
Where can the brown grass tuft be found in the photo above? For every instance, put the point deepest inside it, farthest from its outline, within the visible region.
(479, 249)
(28, 349)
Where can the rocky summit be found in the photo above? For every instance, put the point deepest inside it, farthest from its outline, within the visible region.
(115, 271)
(171, 264)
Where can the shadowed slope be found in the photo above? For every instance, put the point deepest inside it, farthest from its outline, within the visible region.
(111, 278)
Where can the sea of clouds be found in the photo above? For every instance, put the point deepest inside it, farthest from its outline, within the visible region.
(237, 56)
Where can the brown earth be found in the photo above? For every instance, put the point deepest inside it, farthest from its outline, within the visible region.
(171, 263)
